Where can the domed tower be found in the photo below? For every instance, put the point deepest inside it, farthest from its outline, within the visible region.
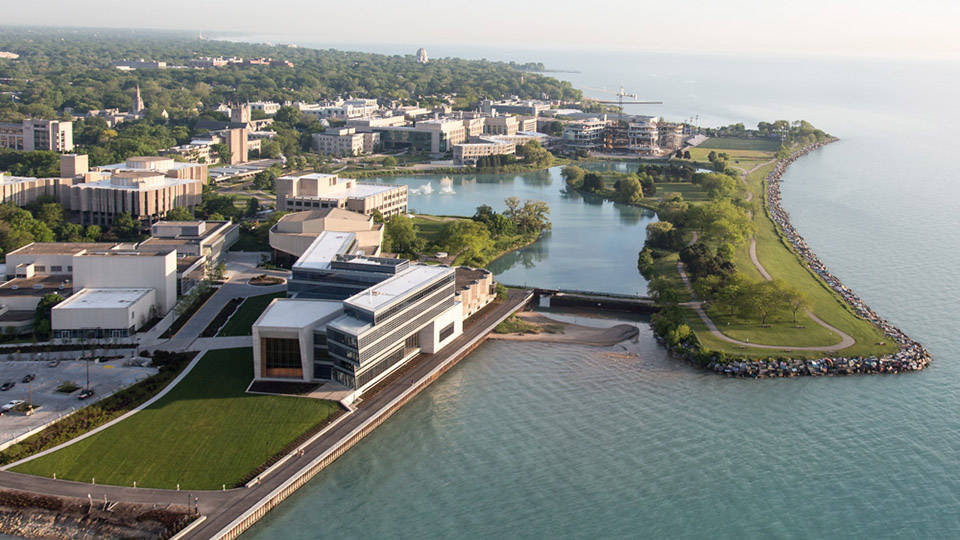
(422, 57)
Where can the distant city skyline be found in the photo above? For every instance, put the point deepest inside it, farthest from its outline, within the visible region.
(879, 28)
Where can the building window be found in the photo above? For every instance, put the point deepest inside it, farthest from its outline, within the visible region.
(56, 269)
(281, 353)
(446, 332)
(40, 268)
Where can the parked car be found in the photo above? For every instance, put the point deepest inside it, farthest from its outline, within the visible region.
(53, 363)
(10, 405)
(85, 394)
(28, 377)
(7, 385)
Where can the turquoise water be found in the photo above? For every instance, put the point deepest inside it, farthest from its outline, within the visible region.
(533, 440)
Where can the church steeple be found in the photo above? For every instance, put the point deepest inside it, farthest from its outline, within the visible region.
(138, 102)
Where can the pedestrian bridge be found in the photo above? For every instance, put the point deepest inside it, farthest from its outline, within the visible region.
(546, 298)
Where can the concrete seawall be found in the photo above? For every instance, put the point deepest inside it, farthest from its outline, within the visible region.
(260, 508)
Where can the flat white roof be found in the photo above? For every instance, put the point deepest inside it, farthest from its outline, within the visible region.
(358, 190)
(297, 313)
(398, 286)
(324, 249)
(103, 298)
(108, 183)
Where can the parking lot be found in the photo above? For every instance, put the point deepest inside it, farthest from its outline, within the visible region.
(105, 378)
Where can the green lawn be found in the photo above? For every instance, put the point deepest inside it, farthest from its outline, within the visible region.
(736, 143)
(431, 226)
(204, 433)
(690, 191)
(741, 159)
(248, 312)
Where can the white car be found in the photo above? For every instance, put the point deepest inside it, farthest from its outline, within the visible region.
(10, 405)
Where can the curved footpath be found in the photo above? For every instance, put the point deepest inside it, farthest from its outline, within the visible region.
(911, 356)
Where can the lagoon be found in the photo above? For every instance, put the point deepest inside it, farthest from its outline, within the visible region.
(593, 245)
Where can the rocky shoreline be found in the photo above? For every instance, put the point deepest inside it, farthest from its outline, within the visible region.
(911, 356)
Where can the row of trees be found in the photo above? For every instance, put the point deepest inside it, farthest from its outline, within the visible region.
(628, 188)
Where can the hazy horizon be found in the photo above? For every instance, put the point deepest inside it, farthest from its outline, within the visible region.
(851, 28)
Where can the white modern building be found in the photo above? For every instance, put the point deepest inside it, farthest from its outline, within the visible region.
(109, 312)
(354, 319)
(66, 269)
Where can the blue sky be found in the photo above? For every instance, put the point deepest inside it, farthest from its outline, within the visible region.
(885, 28)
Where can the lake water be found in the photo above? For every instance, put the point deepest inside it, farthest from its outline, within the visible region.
(528, 440)
(593, 244)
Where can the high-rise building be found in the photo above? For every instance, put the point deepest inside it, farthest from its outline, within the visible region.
(422, 57)
(35, 134)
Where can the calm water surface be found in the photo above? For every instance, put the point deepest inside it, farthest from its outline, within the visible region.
(532, 441)
(593, 244)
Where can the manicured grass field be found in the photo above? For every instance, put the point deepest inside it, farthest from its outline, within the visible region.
(736, 143)
(690, 192)
(206, 432)
(251, 308)
(740, 159)
(430, 227)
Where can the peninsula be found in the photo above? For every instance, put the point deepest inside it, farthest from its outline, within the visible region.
(741, 292)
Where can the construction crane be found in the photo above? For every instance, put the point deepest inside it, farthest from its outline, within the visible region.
(620, 102)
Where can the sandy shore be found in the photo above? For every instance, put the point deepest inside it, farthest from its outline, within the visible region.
(562, 332)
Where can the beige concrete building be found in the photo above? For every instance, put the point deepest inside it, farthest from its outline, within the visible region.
(145, 187)
(470, 153)
(365, 124)
(475, 289)
(36, 134)
(345, 141)
(210, 239)
(473, 126)
(22, 190)
(317, 190)
(526, 123)
(293, 233)
(237, 143)
(501, 125)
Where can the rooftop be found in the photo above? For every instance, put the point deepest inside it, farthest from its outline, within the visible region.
(398, 286)
(37, 285)
(339, 189)
(324, 249)
(321, 213)
(102, 298)
(65, 248)
(160, 252)
(294, 313)
(161, 183)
